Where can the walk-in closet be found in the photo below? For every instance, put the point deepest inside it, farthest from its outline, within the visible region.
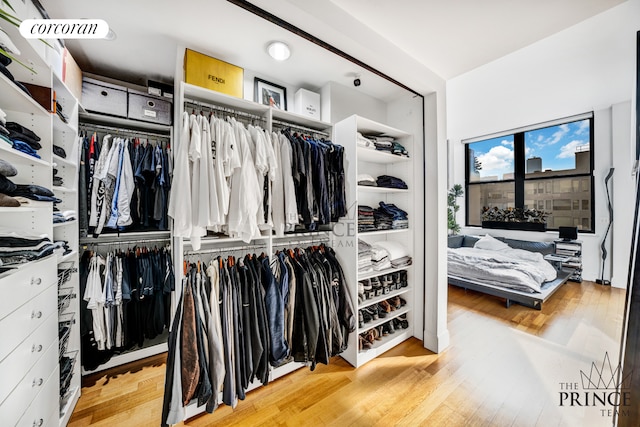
(238, 237)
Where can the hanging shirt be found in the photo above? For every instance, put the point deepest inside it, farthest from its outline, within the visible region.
(97, 188)
(95, 300)
(290, 202)
(180, 199)
(277, 188)
(245, 195)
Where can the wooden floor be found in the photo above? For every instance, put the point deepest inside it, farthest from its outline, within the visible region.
(503, 368)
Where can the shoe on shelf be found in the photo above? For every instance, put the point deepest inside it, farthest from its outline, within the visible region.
(360, 319)
(366, 316)
(380, 310)
(385, 306)
(383, 331)
(394, 303)
(403, 302)
(363, 343)
(373, 313)
(390, 327)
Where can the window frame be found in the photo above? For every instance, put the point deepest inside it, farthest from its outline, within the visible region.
(519, 159)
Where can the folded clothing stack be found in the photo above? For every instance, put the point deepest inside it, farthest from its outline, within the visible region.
(365, 218)
(34, 192)
(398, 254)
(6, 185)
(59, 151)
(20, 247)
(65, 216)
(364, 257)
(367, 180)
(21, 139)
(389, 144)
(389, 216)
(388, 181)
(380, 257)
(58, 108)
(365, 142)
(9, 47)
(382, 220)
(64, 245)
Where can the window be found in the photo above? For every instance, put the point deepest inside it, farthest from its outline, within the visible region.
(546, 167)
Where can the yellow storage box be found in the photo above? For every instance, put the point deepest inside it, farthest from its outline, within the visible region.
(211, 73)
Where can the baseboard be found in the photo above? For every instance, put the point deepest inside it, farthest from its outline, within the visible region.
(436, 342)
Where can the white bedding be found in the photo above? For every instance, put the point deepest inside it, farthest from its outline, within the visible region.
(510, 268)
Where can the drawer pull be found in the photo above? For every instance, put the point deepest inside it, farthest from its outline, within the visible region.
(36, 315)
(38, 423)
(37, 382)
(36, 280)
(36, 348)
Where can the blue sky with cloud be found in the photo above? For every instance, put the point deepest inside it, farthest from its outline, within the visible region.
(556, 146)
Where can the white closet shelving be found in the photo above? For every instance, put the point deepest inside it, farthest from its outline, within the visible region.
(363, 160)
(30, 321)
(266, 241)
(127, 128)
(65, 136)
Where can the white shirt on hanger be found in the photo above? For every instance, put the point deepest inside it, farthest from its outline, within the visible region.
(180, 198)
(290, 202)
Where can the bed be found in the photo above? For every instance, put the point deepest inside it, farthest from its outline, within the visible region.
(506, 268)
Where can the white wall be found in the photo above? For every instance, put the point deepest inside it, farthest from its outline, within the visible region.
(588, 67)
(339, 102)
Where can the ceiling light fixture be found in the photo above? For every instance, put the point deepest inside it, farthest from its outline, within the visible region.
(279, 51)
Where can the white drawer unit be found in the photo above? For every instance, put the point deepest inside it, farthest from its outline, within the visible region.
(43, 411)
(26, 283)
(17, 326)
(26, 355)
(34, 383)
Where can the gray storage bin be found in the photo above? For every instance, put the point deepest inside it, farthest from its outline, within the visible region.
(104, 98)
(147, 108)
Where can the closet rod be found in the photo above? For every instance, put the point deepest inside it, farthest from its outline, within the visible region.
(127, 242)
(285, 125)
(197, 104)
(225, 249)
(116, 130)
(302, 242)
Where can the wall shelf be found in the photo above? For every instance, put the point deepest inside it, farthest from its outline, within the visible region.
(20, 157)
(14, 99)
(100, 119)
(381, 190)
(374, 273)
(200, 94)
(375, 156)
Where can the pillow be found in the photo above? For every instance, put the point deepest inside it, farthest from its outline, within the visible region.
(490, 243)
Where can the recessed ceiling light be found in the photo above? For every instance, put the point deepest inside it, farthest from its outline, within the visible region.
(279, 51)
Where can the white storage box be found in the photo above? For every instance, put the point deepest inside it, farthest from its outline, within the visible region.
(104, 98)
(307, 103)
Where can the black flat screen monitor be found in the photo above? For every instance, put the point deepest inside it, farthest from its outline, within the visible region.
(568, 233)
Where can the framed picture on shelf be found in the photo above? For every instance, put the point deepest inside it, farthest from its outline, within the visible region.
(268, 93)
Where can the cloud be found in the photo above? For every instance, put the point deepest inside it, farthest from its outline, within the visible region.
(496, 160)
(558, 135)
(507, 143)
(540, 138)
(528, 150)
(583, 126)
(568, 150)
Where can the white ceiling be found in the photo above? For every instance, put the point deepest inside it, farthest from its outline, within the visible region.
(449, 37)
(452, 37)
